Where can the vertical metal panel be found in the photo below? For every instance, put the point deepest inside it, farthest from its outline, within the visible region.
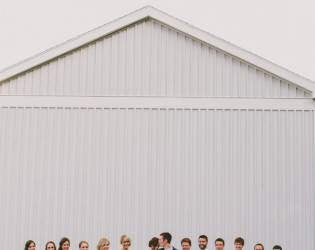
(260, 84)
(235, 90)
(243, 86)
(227, 76)
(52, 69)
(252, 73)
(219, 73)
(92, 172)
(203, 72)
(275, 87)
(186, 66)
(149, 59)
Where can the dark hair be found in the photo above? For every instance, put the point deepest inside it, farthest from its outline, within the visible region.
(219, 239)
(166, 236)
(203, 237)
(187, 240)
(62, 241)
(83, 241)
(239, 240)
(259, 244)
(277, 247)
(28, 243)
(50, 242)
(154, 242)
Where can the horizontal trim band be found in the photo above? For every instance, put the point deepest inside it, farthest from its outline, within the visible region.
(158, 102)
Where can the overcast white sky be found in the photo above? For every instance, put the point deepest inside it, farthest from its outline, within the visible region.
(281, 31)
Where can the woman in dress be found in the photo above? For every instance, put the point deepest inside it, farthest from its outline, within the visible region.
(30, 245)
(154, 243)
(50, 246)
(83, 245)
(64, 244)
(103, 244)
(125, 241)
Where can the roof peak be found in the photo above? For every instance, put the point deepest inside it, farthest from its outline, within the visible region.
(164, 18)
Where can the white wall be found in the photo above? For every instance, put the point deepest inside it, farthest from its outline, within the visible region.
(87, 173)
(149, 130)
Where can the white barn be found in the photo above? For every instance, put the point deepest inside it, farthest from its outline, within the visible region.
(146, 125)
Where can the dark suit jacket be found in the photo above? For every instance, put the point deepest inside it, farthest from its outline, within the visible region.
(164, 249)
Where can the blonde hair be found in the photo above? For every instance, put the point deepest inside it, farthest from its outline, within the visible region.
(125, 238)
(102, 242)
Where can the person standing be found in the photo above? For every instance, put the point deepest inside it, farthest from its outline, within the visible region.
(259, 246)
(83, 245)
(125, 241)
(203, 242)
(239, 243)
(50, 245)
(64, 244)
(103, 244)
(186, 244)
(277, 247)
(154, 244)
(165, 241)
(219, 244)
(30, 245)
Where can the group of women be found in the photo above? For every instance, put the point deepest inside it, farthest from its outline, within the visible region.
(64, 244)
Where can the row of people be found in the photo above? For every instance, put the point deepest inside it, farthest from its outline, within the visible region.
(165, 239)
(64, 244)
(162, 243)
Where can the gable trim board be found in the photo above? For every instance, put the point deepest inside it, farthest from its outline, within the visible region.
(165, 19)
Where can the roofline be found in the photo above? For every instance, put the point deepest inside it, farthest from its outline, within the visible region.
(73, 44)
(150, 12)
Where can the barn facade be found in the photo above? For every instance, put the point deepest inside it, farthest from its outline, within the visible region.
(148, 124)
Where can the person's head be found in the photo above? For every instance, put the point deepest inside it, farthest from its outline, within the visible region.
(277, 247)
(83, 245)
(186, 243)
(64, 244)
(239, 243)
(125, 241)
(219, 244)
(154, 243)
(50, 245)
(258, 246)
(165, 238)
(103, 244)
(30, 245)
(203, 241)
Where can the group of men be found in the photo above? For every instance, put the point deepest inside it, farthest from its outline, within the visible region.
(166, 238)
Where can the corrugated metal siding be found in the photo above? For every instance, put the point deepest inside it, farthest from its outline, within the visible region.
(88, 173)
(149, 59)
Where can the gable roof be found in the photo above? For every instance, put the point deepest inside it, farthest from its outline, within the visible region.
(154, 14)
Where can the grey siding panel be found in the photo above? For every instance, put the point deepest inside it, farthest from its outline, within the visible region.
(149, 59)
(93, 172)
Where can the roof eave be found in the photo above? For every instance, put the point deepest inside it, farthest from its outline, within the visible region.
(74, 43)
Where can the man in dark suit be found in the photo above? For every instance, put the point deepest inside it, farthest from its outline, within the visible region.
(165, 241)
